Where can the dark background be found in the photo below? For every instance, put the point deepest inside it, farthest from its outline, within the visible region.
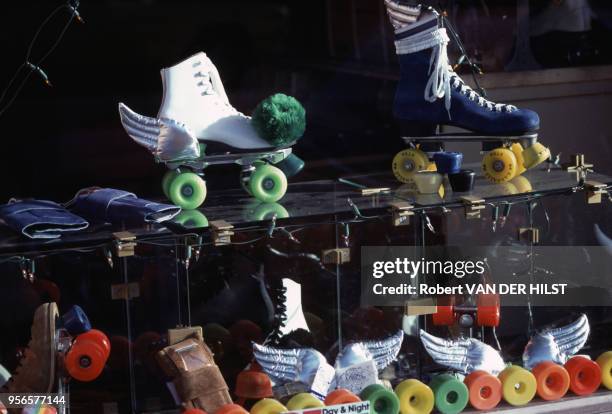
(336, 56)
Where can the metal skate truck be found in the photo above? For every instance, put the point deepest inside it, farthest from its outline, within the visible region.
(197, 126)
(430, 94)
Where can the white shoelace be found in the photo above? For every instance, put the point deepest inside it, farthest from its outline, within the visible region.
(205, 82)
(441, 75)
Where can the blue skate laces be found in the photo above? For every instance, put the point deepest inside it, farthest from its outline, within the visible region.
(118, 207)
(428, 34)
(40, 219)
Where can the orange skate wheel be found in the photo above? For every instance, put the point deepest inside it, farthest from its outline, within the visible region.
(98, 337)
(552, 379)
(585, 375)
(485, 390)
(231, 409)
(605, 363)
(341, 396)
(445, 311)
(487, 313)
(85, 360)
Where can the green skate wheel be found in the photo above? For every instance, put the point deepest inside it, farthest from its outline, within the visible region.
(382, 400)
(191, 219)
(267, 183)
(167, 180)
(451, 395)
(291, 165)
(187, 190)
(265, 211)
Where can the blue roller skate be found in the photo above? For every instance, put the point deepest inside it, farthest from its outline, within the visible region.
(430, 94)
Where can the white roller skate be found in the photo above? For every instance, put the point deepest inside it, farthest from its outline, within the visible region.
(197, 126)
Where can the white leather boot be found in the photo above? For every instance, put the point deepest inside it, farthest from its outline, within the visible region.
(194, 95)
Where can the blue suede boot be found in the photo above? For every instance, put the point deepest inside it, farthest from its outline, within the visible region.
(430, 93)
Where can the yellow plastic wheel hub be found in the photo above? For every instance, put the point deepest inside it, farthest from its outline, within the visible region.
(535, 154)
(605, 363)
(518, 385)
(408, 162)
(414, 397)
(268, 406)
(499, 165)
(517, 150)
(303, 401)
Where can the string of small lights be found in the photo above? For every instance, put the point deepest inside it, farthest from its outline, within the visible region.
(34, 66)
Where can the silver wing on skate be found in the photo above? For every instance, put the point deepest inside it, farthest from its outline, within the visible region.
(463, 355)
(557, 345)
(382, 352)
(289, 365)
(167, 139)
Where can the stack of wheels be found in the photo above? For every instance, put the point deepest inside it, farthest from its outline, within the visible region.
(605, 364)
(451, 395)
(303, 401)
(519, 386)
(231, 409)
(414, 397)
(185, 189)
(341, 396)
(268, 406)
(552, 380)
(585, 375)
(87, 355)
(484, 389)
(382, 400)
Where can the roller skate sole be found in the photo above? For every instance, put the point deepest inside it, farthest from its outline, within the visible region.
(263, 176)
(506, 156)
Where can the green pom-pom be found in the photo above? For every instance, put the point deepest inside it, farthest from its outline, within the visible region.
(280, 119)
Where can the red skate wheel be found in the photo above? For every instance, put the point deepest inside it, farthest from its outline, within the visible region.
(231, 409)
(487, 313)
(85, 360)
(97, 337)
(585, 375)
(552, 380)
(445, 311)
(341, 396)
(484, 389)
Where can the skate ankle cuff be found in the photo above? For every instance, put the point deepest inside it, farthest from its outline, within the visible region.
(421, 41)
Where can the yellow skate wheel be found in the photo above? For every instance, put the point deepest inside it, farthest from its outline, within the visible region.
(499, 165)
(303, 401)
(517, 149)
(414, 397)
(535, 154)
(268, 406)
(522, 184)
(605, 363)
(408, 162)
(518, 385)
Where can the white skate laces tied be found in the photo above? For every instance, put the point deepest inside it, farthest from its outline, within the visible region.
(441, 75)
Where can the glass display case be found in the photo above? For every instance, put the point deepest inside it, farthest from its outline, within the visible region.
(290, 275)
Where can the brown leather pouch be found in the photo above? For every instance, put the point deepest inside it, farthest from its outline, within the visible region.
(195, 375)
